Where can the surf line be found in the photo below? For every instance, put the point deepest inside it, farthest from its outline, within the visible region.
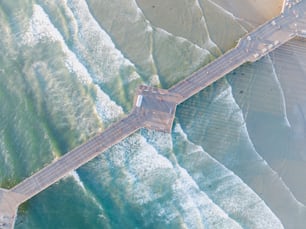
(154, 108)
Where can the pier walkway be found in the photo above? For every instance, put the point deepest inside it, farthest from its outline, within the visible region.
(155, 108)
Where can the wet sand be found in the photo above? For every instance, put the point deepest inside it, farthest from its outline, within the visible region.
(222, 21)
(267, 124)
(255, 12)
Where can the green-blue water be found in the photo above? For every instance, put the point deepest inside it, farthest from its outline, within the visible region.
(70, 68)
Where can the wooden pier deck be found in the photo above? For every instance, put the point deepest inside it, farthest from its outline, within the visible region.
(155, 108)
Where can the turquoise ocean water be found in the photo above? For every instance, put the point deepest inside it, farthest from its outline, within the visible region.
(69, 68)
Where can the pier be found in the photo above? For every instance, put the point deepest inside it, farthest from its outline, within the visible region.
(155, 108)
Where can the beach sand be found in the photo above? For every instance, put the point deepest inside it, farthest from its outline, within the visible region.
(255, 12)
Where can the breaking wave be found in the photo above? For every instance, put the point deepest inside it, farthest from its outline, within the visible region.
(208, 173)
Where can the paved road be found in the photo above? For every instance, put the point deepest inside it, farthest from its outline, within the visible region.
(155, 108)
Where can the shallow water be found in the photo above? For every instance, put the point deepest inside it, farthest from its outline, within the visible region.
(236, 155)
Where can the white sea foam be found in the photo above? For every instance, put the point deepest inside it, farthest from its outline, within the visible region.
(198, 5)
(178, 39)
(148, 159)
(76, 178)
(209, 43)
(145, 165)
(159, 140)
(106, 108)
(226, 96)
(283, 100)
(181, 40)
(139, 161)
(138, 16)
(88, 194)
(4, 154)
(231, 193)
(197, 208)
(145, 162)
(92, 37)
(42, 30)
(229, 14)
(95, 45)
(244, 131)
